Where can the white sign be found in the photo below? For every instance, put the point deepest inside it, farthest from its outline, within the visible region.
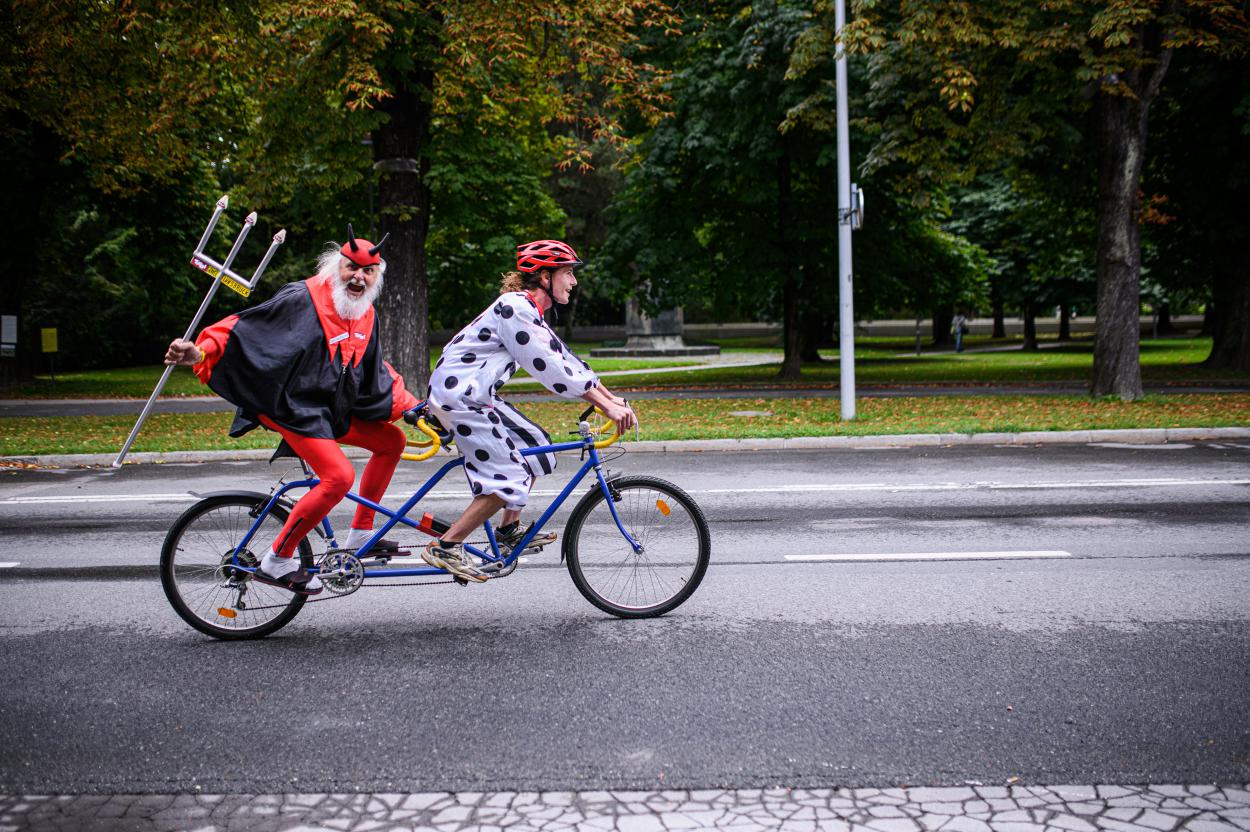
(8, 329)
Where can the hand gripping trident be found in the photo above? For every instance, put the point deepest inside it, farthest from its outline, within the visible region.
(221, 273)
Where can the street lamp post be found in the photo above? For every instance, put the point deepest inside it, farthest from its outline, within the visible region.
(847, 215)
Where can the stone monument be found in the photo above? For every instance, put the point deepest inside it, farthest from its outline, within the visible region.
(646, 336)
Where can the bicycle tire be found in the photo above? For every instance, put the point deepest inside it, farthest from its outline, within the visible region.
(676, 547)
(194, 563)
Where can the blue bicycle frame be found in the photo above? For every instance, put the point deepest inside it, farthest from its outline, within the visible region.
(394, 518)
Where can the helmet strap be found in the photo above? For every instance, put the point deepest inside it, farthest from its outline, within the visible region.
(551, 275)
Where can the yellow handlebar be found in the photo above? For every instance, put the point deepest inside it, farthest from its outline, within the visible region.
(604, 428)
(433, 444)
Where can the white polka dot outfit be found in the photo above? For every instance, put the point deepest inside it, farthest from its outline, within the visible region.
(464, 390)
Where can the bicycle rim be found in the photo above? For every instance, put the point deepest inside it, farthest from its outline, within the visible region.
(198, 575)
(675, 548)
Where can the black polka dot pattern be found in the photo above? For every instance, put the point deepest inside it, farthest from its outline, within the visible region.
(509, 335)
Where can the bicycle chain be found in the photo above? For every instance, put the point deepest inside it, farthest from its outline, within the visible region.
(387, 585)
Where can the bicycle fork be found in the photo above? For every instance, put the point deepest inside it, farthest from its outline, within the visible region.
(612, 496)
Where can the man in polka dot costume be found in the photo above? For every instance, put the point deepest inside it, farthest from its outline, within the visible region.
(464, 393)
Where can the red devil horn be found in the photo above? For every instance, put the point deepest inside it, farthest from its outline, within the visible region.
(351, 238)
(381, 243)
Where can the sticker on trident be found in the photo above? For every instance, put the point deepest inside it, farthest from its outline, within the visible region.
(220, 273)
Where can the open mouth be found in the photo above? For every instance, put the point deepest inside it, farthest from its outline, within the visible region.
(356, 288)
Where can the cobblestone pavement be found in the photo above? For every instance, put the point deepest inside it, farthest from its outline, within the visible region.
(971, 808)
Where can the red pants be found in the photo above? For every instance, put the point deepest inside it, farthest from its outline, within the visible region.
(336, 473)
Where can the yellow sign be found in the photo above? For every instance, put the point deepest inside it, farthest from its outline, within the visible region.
(213, 271)
(49, 339)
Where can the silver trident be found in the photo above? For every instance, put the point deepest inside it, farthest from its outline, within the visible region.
(221, 273)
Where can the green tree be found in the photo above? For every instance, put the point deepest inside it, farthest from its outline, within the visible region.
(1200, 178)
(722, 206)
(274, 99)
(397, 71)
(963, 86)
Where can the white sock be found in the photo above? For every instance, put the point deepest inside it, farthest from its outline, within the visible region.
(276, 567)
(357, 537)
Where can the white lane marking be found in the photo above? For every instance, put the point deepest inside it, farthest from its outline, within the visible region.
(1153, 482)
(396, 499)
(182, 497)
(9, 564)
(1171, 446)
(936, 556)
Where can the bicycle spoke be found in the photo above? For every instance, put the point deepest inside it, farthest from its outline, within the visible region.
(198, 567)
(673, 556)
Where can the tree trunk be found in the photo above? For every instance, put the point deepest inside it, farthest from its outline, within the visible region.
(792, 328)
(791, 334)
(1065, 322)
(815, 334)
(399, 147)
(996, 303)
(1029, 314)
(1230, 320)
(942, 327)
(1122, 146)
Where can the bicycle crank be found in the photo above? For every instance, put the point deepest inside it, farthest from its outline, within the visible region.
(341, 572)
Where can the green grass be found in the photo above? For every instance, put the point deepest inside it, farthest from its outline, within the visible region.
(877, 361)
(138, 382)
(892, 361)
(690, 418)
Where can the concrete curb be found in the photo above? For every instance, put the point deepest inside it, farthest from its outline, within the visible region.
(1145, 436)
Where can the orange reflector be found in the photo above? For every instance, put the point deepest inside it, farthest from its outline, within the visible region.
(663, 507)
(226, 613)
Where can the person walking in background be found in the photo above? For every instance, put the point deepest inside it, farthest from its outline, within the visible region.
(959, 326)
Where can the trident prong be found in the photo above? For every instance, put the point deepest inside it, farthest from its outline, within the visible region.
(221, 274)
(278, 239)
(222, 205)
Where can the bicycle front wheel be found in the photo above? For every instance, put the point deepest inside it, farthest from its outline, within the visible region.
(676, 547)
(200, 578)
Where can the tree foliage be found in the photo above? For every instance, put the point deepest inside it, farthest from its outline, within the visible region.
(960, 87)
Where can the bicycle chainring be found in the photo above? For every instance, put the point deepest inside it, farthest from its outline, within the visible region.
(341, 572)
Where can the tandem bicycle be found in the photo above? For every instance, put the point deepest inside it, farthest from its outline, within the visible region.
(636, 546)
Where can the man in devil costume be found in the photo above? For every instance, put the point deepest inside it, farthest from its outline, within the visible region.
(307, 364)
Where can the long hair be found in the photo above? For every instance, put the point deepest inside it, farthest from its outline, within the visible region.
(520, 281)
(328, 262)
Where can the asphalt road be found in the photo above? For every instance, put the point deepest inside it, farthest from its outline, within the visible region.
(1107, 641)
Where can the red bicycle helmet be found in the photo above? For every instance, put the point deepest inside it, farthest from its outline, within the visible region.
(546, 254)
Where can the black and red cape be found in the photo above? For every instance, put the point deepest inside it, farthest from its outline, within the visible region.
(295, 361)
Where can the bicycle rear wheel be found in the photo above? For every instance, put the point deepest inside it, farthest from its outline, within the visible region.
(201, 581)
(676, 547)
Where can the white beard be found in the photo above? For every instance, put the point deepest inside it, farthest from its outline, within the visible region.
(350, 308)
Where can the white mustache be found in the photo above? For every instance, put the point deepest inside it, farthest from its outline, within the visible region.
(350, 308)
